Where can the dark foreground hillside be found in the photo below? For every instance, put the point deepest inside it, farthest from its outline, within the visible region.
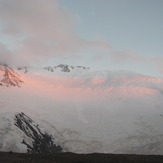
(77, 158)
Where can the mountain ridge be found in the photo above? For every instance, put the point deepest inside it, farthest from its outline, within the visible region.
(64, 68)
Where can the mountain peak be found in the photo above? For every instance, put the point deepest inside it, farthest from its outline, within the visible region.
(9, 77)
(64, 68)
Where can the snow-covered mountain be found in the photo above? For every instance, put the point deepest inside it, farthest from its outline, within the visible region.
(64, 68)
(8, 77)
(81, 110)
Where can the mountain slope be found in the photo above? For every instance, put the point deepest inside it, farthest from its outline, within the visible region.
(20, 133)
(86, 110)
(42, 142)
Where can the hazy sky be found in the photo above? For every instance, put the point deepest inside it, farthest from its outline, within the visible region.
(101, 34)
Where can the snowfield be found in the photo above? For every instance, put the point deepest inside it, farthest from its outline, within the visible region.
(84, 110)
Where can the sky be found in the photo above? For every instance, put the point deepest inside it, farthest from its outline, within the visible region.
(100, 34)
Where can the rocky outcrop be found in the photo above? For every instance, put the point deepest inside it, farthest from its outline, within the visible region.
(41, 142)
(64, 68)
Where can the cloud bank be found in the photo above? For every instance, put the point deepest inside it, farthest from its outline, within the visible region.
(40, 30)
(47, 30)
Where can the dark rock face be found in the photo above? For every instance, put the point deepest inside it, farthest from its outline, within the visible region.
(64, 68)
(10, 77)
(42, 142)
(24, 69)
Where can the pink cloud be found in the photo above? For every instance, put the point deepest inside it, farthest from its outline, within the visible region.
(97, 80)
(131, 91)
(78, 87)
